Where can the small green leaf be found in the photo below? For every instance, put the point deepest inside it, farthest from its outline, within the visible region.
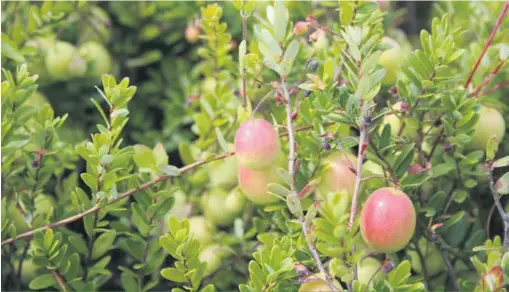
(309, 188)
(208, 288)
(370, 63)
(285, 176)
(346, 12)
(280, 20)
(312, 212)
(42, 282)
(441, 169)
(89, 180)
(160, 155)
(502, 185)
(505, 264)
(103, 243)
(174, 275)
(404, 160)
(291, 51)
(491, 148)
(399, 275)
(294, 205)
(278, 190)
(222, 142)
(242, 54)
(149, 57)
(170, 170)
(271, 43)
(129, 283)
(144, 157)
(454, 219)
(502, 162)
(79, 244)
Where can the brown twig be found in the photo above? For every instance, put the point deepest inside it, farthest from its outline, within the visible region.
(59, 280)
(120, 197)
(490, 39)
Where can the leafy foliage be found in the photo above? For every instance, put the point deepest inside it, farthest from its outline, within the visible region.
(115, 210)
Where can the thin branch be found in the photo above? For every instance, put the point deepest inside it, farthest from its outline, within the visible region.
(490, 39)
(411, 111)
(442, 248)
(316, 256)
(304, 128)
(501, 210)
(494, 88)
(59, 280)
(435, 144)
(450, 268)
(291, 138)
(291, 170)
(488, 79)
(372, 277)
(297, 94)
(384, 160)
(22, 259)
(363, 144)
(120, 197)
(488, 221)
(260, 103)
(10, 254)
(423, 264)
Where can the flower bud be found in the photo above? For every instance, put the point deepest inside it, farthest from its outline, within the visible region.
(192, 32)
(301, 28)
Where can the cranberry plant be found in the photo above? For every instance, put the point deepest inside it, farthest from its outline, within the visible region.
(322, 151)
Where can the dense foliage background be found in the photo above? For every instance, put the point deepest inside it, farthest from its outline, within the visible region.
(75, 140)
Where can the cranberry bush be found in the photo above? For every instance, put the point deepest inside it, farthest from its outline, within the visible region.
(254, 146)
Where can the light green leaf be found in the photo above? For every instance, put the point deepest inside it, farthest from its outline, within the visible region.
(174, 275)
(278, 190)
(242, 54)
(492, 148)
(502, 162)
(280, 20)
(271, 43)
(220, 139)
(170, 170)
(42, 282)
(502, 184)
(294, 205)
(399, 275)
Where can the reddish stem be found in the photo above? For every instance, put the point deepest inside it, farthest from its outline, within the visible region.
(488, 79)
(490, 39)
(494, 88)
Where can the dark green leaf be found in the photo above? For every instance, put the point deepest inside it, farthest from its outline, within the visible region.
(103, 243)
